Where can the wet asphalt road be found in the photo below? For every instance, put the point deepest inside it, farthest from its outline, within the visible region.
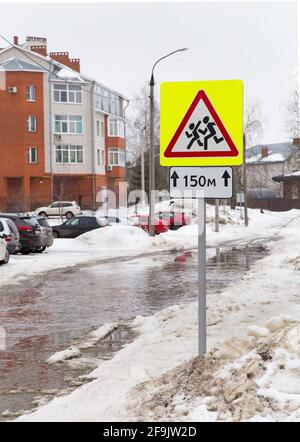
(47, 313)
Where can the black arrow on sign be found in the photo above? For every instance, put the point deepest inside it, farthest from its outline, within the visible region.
(226, 178)
(174, 177)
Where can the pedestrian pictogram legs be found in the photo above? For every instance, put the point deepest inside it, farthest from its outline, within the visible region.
(208, 132)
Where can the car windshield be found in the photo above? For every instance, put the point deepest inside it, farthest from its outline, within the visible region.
(72, 222)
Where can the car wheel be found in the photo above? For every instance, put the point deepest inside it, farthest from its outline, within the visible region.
(25, 251)
(55, 234)
(44, 214)
(69, 215)
(40, 249)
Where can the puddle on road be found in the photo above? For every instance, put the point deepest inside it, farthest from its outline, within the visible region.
(48, 314)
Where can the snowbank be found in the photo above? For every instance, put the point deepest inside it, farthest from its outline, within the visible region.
(239, 380)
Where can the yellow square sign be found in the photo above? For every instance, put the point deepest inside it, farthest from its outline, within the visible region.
(201, 123)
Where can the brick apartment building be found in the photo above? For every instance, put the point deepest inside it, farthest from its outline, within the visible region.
(62, 134)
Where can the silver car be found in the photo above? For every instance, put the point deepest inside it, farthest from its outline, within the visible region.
(10, 233)
(69, 209)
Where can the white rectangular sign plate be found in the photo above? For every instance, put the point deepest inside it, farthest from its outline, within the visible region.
(201, 182)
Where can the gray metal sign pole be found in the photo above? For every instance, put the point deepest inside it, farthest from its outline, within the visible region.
(202, 275)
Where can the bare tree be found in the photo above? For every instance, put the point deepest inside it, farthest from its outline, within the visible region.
(292, 116)
(138, 136)
(254, 123)
(139, 125)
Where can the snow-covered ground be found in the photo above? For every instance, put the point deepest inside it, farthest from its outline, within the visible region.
(252, 368)
(121, 240)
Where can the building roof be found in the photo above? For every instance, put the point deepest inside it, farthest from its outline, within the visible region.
(59, 66)
(277, 153)
(17, 64)
(292, 176)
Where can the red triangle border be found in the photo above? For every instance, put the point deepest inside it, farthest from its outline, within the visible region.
(201, 95)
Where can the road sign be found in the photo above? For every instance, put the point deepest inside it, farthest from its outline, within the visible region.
(201, 123)
(201, 182)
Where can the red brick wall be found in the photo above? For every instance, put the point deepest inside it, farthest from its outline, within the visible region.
(63, 57)
(14, 137)
(110, 142)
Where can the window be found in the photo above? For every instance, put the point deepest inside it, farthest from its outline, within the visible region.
(32, 155)
(67, 93)
(31, 93)
(31, 124)
(72, 222)
(117, 157)
(55, 205)
(84, 221)
(102, 129)
(68, 124)
(68, 154)
(100, 157)
(108, 101)
(116, 128)
(98, 128)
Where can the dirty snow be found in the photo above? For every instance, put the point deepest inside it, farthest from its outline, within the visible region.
(75, 351)
(64, 355)
(251, 371)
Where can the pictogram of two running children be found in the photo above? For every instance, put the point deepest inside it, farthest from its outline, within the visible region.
(208, 132)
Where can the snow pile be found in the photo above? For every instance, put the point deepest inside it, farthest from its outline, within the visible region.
(241, 379)
(116, 237)
(69, 74)
(64, 355)
(75, 350)
(273, 158)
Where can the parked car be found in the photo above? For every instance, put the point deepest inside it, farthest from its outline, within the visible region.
(35, 232)
(121, 220)
(9, 232)
(143, 222)
(174, 219)
(4, 253)
(69, 209)
(77, 226)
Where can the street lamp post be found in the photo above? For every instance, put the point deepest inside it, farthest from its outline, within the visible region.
(152, 148)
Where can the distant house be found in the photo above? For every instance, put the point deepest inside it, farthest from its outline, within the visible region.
(272, 174)
(291, 185)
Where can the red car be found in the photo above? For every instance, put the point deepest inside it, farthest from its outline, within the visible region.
(173, 219)
(160, 225)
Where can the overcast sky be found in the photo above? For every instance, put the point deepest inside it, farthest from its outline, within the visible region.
(118, 43)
